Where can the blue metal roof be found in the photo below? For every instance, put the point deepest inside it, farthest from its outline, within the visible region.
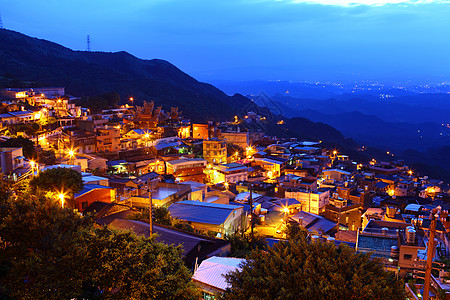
(90, 187)
(202, 212)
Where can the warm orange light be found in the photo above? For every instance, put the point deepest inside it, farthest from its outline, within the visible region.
(391, 192)
(61, 197)
(285, 209)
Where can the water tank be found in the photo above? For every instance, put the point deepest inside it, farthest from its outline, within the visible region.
(384, 230)
(314, 238)
(394, 252)
(330, 239)
(411, 236)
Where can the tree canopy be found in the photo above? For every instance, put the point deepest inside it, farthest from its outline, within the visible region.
(296, 269)
(47, 252)
(28, 146)
(58, 180)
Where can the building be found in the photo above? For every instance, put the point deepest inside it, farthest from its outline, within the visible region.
(312, 201)
(203, 216)
(230, 173)
(93, 193)
(237, 138)
(209, 276)
(274, 167)
(11, 159)
(108, 139)
(215, 151)
(80, 141)
(187, 169)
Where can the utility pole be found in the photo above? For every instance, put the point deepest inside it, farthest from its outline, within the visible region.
(251, 211)
(430, 251)
(150, 212)
(88, 43)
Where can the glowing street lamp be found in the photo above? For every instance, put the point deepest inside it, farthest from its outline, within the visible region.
(32, 163)
(71, 155)
(286, 211)
(61, 198)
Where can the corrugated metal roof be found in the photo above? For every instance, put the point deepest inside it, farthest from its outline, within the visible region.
(212, 271)
(202, 212)
(90, 187)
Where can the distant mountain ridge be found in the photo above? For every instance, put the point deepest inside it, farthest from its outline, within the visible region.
(41, 62)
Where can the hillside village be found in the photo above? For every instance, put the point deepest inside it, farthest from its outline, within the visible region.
(219, 179)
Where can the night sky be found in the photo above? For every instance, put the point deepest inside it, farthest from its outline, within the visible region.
(336, 40)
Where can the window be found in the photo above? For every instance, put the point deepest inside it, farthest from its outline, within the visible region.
(407, 256)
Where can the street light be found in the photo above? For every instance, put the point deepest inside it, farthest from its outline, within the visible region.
(61, 197)
(286, 211)
(71, 155)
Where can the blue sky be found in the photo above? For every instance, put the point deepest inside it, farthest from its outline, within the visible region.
(336, 40)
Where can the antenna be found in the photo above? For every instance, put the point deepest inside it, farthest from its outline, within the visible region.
(1, 22)
(88, 43)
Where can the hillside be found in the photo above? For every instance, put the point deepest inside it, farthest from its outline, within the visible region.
(40, 62)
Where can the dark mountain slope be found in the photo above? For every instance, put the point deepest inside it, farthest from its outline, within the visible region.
(90, 73)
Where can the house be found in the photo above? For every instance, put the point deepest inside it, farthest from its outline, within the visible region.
(274, 167)
(203, 216)
(108, 139)
(314, 223)
(161, 193)
(93, 193)
(209, 277)
(187, 169)
(237, 138)
(195, 247)
(336, 174)
(231, 173)
(80, 141)
(215, 151)
(311, 201)
(11, 159)
(345, 212)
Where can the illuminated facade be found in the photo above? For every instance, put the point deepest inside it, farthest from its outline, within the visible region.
(215, 151)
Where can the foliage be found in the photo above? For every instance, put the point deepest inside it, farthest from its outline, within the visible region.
(53, 253)
(294, 231)
(58, 180)
(30, 129)
(47, 157)
(160, 215)
(103, 101)
(242, 244)
(296, 269)
(182, 225)
(28, 146)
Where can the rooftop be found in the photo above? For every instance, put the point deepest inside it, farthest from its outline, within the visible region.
(212, 270)
(202, 212)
